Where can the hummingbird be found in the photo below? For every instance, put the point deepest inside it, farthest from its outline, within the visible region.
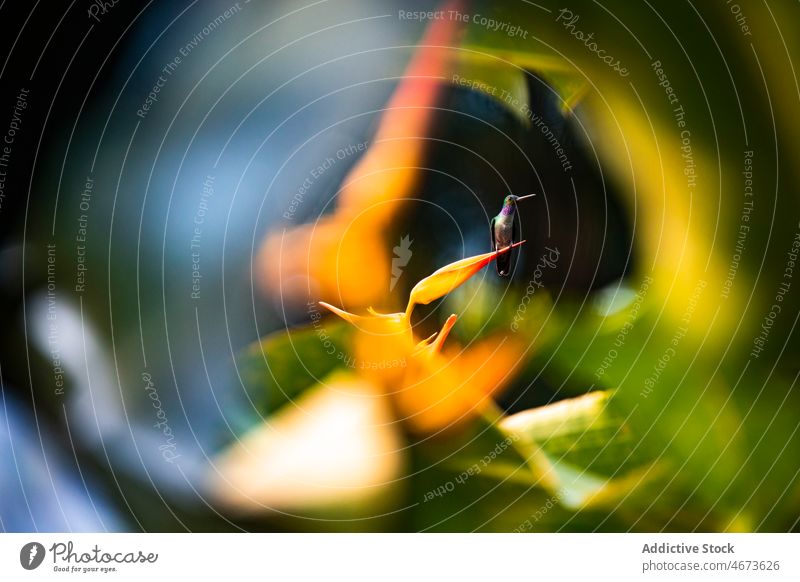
(503, 232)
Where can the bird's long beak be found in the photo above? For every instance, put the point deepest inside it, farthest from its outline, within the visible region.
(524, 197)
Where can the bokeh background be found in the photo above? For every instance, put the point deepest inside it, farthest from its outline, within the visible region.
(182, 182)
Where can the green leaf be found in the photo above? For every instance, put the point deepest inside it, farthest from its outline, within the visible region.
(588, 432)
(278, 368)
(521, 51)
(488, 479)
(594, 456)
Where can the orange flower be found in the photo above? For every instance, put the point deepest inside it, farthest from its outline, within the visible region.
(337, 450)
(433, 390)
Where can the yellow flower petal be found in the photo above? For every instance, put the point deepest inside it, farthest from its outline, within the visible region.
(347, 316)
(374, 323)
(381, 344)
(441, 282)
(426, 342)
(430, 347)
(448, 325)
(444, 391)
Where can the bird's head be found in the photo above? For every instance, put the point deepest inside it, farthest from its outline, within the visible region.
(511, 199)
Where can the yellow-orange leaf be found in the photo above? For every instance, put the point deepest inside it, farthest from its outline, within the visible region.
(441, 282)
